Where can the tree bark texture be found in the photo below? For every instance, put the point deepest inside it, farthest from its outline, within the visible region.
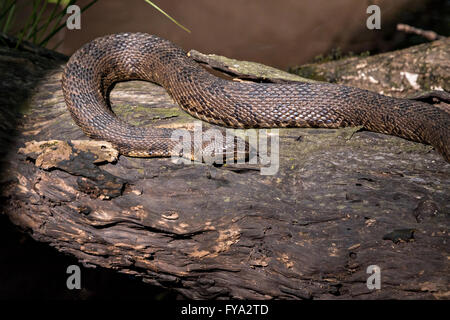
(341, 201)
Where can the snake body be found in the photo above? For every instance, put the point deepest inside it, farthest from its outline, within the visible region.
(93, 69)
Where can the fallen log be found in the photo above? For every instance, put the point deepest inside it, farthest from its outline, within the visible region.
(340, 201)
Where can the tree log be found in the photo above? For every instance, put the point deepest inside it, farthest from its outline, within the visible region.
(341, 200)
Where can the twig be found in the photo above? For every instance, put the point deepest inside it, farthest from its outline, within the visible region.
(427, 34)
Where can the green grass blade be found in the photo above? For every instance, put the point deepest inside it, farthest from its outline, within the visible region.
(6, 11)
(57, 26)
(9, 19)
(62, 25)
(33, 30)
(44, 27)
(169, 17)
(63, 2)
(27, 25)
(58, 44)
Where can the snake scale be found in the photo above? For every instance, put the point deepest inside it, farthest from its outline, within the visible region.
(92, 70)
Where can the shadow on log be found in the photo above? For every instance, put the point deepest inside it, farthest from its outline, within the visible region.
(340, 201)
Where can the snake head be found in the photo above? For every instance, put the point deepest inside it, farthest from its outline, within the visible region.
(234, 150)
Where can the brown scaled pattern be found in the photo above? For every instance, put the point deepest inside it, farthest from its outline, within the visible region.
(92, 70)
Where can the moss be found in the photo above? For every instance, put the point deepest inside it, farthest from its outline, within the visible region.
(307, 71)
(317, 72)
(249, 68)
(141, 115)
(165, 113)
(336, 54)
(48, 145)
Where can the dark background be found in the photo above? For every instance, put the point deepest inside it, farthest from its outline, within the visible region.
(281, 33)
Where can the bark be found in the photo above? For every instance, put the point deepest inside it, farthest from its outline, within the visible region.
(341, 201)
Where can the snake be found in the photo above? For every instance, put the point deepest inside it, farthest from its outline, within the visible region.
(94, 69)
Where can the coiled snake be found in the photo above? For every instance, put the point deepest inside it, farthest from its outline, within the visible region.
(93, 69)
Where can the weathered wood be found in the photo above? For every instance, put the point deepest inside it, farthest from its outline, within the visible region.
(400, 73)
(342, 200)
(245, 70)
